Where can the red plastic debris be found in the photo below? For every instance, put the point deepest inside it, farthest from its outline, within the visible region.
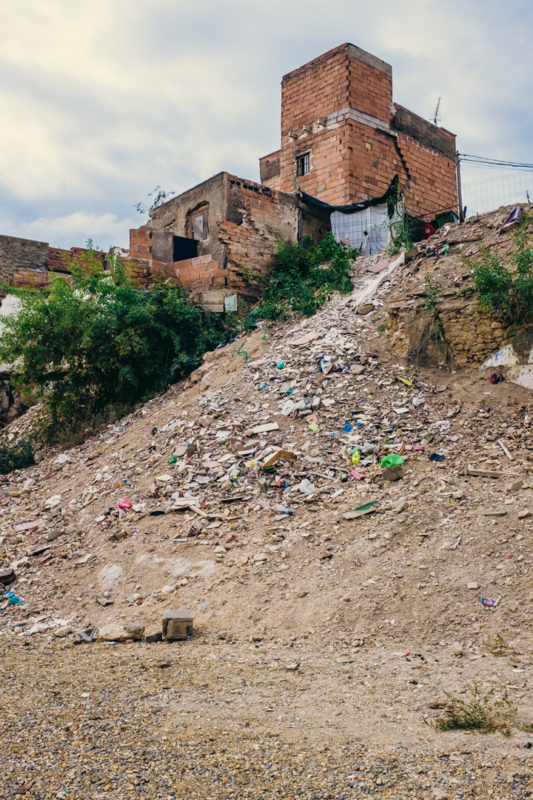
(124, 504)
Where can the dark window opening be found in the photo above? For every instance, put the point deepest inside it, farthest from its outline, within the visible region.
(303, 164)
(183, 248)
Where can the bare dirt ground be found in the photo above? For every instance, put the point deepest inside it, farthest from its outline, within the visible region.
(325, 642)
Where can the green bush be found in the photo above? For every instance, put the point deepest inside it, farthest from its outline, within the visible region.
(102, 342)
(303, 277)
(16, 456)
(505, 292)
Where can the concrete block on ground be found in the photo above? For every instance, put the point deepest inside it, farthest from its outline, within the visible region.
(177, 624)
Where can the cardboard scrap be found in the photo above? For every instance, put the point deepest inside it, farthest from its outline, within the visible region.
(280, 455)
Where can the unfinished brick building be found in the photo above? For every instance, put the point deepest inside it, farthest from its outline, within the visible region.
(343, 139)
(344, 144)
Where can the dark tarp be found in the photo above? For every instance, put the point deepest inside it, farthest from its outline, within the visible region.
(389, 197)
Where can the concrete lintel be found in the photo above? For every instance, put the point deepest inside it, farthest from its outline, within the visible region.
(358, 116)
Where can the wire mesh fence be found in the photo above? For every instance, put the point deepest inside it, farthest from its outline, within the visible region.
(489, 193)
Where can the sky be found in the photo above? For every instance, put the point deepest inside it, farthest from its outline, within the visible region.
(103, 100)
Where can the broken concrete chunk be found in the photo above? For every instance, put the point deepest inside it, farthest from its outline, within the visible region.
(177, 625)
(114, 632)
(266, 428)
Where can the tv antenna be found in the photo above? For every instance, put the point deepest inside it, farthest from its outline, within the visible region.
(436, 118)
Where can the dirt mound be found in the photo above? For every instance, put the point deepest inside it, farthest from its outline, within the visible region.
(261, 502)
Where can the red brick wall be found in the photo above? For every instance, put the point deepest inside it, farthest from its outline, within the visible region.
(355, 159)
(141, 243)
(314, 90)
(433, 182)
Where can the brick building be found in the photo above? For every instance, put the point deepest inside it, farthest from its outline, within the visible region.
(343, 142)
(343, 139)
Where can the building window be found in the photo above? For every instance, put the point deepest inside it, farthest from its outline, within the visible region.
(199, 223)
(303, 164)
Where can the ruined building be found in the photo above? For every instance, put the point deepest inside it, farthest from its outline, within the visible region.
(343, 141)
(345, 149)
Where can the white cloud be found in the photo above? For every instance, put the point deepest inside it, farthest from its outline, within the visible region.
(103, 100)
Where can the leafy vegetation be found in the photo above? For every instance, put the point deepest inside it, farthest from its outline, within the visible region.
(303, 277)
(506, 292)
(156, 198)
(432, 303)
(102, 343)
(486, 714)
(402, 235)
(16, 456)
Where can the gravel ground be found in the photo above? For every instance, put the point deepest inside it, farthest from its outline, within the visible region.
(197, 720)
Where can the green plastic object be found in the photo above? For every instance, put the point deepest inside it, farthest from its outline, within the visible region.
(392, 460)
(280, 365)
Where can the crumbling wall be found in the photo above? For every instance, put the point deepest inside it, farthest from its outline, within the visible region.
(16, 254)
(257, 218)
(174, 215)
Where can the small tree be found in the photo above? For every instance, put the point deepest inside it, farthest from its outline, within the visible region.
(506, 292)
(102, 342)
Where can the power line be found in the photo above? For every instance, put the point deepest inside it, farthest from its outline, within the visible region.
(492, 162)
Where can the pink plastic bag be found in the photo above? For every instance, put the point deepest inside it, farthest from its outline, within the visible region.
(124, 504)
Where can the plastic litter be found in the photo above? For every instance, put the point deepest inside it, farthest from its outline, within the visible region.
(283, 510)
(356, 456)
(324, 364)
(392, 460)
(357, 475)
(404, 380)
(437, 457)
(13, 598)
(172, 460)
(280, 365)
(347, 427)
(489, 602)
(496, 377)
(124, 504)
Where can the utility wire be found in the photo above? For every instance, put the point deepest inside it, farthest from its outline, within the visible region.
(493, 162)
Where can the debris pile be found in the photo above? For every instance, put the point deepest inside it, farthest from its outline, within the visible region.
(303, 473)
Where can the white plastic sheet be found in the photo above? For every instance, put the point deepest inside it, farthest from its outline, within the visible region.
(367, 230)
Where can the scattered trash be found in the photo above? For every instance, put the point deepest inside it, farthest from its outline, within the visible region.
(280, 365)
(279, 455)
(356, 456)
(496, 377)
(172, 460)
(283, 510)
(489, 602)
(392, 460)
(324, 364)
(505, 450)
(404, 380)
(357, 475)
(360, 511)
(347, 427)
(14, 599)
(512, 220)
(243, 354)
(437, 457)
(124, 504)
